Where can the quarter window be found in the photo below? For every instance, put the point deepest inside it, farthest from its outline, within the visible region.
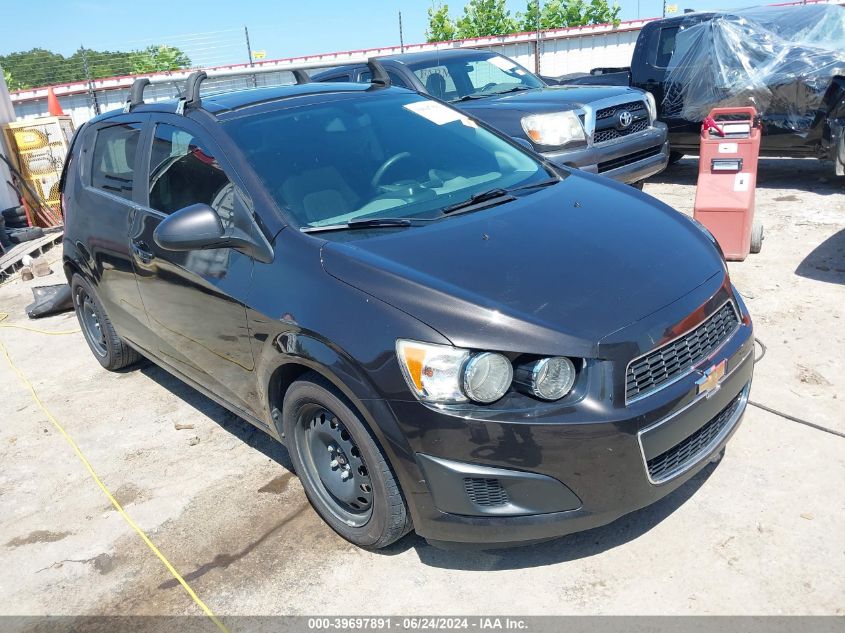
(113, 165)
(184, 171)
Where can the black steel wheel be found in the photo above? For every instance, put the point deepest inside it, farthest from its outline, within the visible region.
(109, 349)
(342, 469)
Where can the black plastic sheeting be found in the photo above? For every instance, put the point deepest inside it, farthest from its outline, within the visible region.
(781, 60)
(49, 300)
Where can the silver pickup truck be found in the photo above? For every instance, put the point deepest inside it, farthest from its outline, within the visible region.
(609, 130)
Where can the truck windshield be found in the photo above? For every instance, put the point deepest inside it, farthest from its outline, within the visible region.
(368, 156)
(454, 80)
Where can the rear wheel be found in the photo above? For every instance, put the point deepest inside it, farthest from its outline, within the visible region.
(108, 348)
(638, 185)
(343, 471)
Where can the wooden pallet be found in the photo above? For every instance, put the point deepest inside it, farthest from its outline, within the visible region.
(12, 261)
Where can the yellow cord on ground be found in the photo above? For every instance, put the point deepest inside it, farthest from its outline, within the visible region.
(94, 475)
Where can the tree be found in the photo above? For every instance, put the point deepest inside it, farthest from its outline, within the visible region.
(159, 59)
(440, 25)
(485, 17)
(40, 67)
(557, 14)
(7, 77)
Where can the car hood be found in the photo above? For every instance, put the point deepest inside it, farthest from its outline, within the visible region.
(552, 272)
(550, 99)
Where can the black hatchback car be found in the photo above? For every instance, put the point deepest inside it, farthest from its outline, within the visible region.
(448, 333)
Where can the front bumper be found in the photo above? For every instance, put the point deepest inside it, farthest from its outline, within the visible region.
(628, 159)
(526, 476)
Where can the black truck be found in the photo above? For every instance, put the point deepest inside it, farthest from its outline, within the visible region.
(609, 130)
(789, 62)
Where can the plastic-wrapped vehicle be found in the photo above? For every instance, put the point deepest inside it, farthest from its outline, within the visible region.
(788, 62)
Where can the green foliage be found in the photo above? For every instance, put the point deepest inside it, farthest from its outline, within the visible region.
(557, 14)
(40, 67)
(485, 17)
(440, 26)
(7, 77)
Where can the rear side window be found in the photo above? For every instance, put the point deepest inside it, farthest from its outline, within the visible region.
(666, 46)
(184, 171)
(113, 164)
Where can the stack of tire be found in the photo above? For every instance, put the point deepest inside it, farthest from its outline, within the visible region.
(15, 229)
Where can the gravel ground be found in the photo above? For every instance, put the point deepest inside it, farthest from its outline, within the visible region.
(761, 533)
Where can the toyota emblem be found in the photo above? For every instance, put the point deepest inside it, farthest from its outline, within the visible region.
(625, 119)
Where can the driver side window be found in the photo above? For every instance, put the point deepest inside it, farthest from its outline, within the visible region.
(184, 171)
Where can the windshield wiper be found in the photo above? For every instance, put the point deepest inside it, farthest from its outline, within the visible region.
(514, 89)
(470, 97)
(534, 185)
(370, 223)
(499, 195)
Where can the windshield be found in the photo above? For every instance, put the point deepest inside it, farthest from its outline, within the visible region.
(386, 155)
(460, 79)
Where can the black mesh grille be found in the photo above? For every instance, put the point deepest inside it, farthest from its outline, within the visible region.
(485, 492)
(631, 106)
(601, 136)
(660, 366)
(664, 465)
(616, 163)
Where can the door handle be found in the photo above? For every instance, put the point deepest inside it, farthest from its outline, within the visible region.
(142, 252)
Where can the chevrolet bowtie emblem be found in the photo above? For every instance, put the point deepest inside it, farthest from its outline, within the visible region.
(709, 382)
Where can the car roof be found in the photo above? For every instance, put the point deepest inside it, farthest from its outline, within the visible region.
(440, 54)
(222, 102)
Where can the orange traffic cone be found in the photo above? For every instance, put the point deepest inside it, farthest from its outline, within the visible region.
(53, 106)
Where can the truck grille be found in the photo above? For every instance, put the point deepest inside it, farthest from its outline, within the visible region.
(667, 464)
(631, 106)
(616, 163)
(648, 373)
(608, 134)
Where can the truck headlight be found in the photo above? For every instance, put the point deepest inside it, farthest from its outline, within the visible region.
(547, 378)
(446, 374)
(651, 104)
(555, 129)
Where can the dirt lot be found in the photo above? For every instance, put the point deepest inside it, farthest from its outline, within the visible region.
(761, 533)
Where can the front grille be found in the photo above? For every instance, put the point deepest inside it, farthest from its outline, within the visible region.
(648, 373)
(632, 106)
(616, 163)
(485, 492)
(689, 450)
(608, 134)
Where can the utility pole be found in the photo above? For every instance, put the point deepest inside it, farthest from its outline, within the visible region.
(401, 35)
(92, 96)
(664, 8)
(537, 50)
(249, 54)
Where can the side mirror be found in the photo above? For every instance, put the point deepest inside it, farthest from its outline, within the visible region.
(192, 228)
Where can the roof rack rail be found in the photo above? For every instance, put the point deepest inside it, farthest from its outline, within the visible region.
(136, 94)
(380, 78)
(192, 92)
(301, 76)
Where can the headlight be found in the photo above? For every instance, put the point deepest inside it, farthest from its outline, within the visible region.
(547, 378)
(651, 104)
(555, 129)
(487, 377)
(445, 374)
(433, 372)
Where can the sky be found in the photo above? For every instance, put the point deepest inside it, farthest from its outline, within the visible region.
(211, 31)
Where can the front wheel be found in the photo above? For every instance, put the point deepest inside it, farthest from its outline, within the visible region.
(343, 471)
(756, 237)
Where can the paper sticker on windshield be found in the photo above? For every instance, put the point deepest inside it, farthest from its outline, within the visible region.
(438, 113)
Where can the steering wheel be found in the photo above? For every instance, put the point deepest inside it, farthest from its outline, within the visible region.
(390, 162)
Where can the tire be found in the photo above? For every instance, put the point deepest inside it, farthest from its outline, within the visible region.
(756, 237)
(326, 439)
(14, 213)
(638, 185)
(674, 157)
(19, 236)
(108, 348)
